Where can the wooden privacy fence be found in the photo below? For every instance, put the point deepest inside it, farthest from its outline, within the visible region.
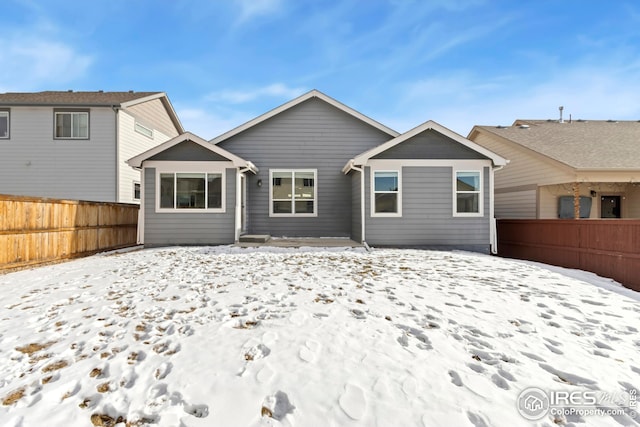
(609, 248)
(37, 230)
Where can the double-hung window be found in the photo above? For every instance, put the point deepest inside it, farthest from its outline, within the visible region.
(191, 191)
(387, 200)
(468, 193)
(72, 124)
(293, 192)
(4, 124)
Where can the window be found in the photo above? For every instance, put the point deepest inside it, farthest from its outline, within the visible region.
(468, 193)
(72, 125)
(195, 191)
(293, 192)
(4, 124)
(136, 191)
(143, 130)
(386, 193)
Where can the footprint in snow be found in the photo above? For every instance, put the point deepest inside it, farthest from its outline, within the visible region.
(353, 401)
(309, 351)
(455, 378)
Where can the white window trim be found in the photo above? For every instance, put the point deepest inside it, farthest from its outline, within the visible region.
(221, 209)
(55, 122)
(296, 215)
(480, 194)
(8, 113)
(141, 129)
(373, 212)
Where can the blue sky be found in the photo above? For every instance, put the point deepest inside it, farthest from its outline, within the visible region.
(400, 62)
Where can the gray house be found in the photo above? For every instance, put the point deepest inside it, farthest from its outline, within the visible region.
(73, 145)
(314, 167)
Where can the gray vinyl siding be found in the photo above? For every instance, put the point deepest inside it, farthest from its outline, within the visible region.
(189, 151)
(33, 163)
(310, 135)
(430, 145)
(356, 215)
(164, 229)
(427, 213)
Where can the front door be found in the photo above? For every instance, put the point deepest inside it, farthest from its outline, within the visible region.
(610, 207)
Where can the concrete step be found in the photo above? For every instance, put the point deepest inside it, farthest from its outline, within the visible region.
(254, 238)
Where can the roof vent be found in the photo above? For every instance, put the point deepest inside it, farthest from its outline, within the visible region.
(581, 121)
(561, 108)
(612, 121)
(130, 91)
(100, 91)
(70, 90)
(501, 127)
(524, 126)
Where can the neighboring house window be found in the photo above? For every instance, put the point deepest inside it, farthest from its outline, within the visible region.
(143, 130)
(293, 192)
(192, 191)
(136, 191)
(72, 124)
(386, 198)
(468, 193)
(4, 124)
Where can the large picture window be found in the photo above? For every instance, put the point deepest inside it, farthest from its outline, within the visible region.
(386, 193)
(72, 124)
(193, 191)
(468, 193)
(4, 124)
(293, 192)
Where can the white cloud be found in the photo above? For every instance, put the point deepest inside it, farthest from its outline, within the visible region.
(208, 124)
(275, 90)
(255, 8)
(37, 62)
(460, 101)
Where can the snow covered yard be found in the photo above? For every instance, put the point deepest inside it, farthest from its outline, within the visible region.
(224, 336)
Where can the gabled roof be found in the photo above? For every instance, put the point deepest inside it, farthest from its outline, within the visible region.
(429, 125)
(136, 162)
(311, 94)
(88, 99)
(579, 144)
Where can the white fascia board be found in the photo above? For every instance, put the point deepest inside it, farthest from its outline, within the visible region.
(311, 94)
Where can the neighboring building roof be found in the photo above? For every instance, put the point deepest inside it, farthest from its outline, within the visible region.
(136, 162)
(311, 94)
(98, 98)
(590, 145)
(429, 125)
(88, 99)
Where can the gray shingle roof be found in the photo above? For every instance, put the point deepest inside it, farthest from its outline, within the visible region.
(71, 98)
(593, 144)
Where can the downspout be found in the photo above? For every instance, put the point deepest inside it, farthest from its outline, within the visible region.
(116, 109)
(493, 229)
(362, 204)
(141, 210)
(238, 219)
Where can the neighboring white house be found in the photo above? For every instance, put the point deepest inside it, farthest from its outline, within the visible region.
(74, 145)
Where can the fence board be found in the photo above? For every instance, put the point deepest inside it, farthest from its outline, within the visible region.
(609, 248)
(38, 230)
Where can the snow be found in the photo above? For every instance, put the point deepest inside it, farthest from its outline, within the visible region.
(225, 336)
